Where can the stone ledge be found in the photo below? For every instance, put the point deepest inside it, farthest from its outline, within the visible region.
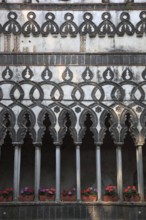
(59, 59)
(73, 6)
(72, 212)
(60, 204)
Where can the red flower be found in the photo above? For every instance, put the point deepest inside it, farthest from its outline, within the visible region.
(87, 190)
(130, 191)
(110, 190)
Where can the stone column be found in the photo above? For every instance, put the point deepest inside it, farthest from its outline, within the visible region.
(1, 143)
(119, 172)
(37, 171)
(16, 179)
(57, 173)
(0, 150)
(140, 171)
(98, 172)
(78, 173)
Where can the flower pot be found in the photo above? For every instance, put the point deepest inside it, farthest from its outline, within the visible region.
(43, 197)
(10, 198)
(107, 198)
(28, 198)
(90, 198)
(69, 198)
(51, 197)
(1, 199)
(135, 198)
(127, 199)
(115, 198)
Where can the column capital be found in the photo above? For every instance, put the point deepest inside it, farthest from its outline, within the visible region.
(77, 143)
(57, 143)
(139, 145)
(37, 145)
(98, 144)
(119, 144)
(77, 146)
(98, 147)
(17, 144)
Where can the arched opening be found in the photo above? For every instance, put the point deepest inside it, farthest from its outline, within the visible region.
(27, 163)
(6, 157)
(47, 157)
(108, 158)
(6, 163)
(27, 158)
(88, 159)
(129, 157)
(68, 159)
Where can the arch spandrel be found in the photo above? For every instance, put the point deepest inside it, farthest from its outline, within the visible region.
(62, 124)
(113, 125)
(133, 125)
(3, 124)
(41, 118)
(24, 127)
(93, 129)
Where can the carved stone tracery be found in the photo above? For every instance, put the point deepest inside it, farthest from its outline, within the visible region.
(71, 28)
(54, 103)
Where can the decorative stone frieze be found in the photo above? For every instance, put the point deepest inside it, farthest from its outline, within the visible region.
(92, 24)
(89, 31)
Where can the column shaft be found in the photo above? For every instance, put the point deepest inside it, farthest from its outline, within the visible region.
(16, 181)
(98, 172)
(19, 167)
(78, 173)
(37, 171)
(140, 179)
(57, 173)
(119, 172)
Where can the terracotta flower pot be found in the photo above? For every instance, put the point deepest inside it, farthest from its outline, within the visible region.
(43, 197)
(51, 197)
(46, 198)
(107, 198)
(69, 198)
(10, 198)
(115, 198)
(1, 199)
(135, 198)
(90, 198)
(28, 198)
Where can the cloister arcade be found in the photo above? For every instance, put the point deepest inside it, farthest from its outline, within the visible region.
(73, 147)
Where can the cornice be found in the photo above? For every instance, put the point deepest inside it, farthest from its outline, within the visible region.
(73, 6)
(84, 59)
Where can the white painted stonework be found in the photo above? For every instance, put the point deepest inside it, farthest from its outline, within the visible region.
(71, 1)
(57, 43)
